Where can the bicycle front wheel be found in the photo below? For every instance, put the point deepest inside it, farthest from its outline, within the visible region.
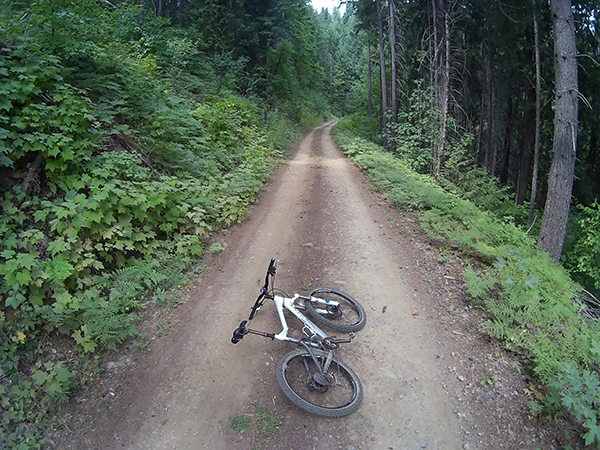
(336, 394)
(347, 316)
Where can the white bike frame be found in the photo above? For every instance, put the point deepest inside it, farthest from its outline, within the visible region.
(310, 329)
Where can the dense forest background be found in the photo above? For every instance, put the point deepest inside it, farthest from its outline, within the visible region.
(132, 130)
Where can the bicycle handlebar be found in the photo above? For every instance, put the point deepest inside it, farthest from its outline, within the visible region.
(239, 333)
(264, 291)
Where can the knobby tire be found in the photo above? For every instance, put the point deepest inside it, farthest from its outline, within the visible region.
(341, 397)
(350, 317)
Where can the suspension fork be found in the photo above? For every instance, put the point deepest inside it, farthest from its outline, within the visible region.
(322, 368)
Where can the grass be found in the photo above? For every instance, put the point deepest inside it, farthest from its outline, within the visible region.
(239, 423)
(262, 422)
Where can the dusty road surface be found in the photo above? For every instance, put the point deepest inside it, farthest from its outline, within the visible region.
(429, 382)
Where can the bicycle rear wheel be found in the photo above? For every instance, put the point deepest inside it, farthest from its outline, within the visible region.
(336, 394)
(348, 316)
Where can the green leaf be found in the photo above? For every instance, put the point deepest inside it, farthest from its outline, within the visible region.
(5, 161)
(40, 215)
(23, 277)
(5, 104)
(63, 375)
(58, 246)
(26, 260)
(39, 377)
(15, 300)
(8, 254)
(593, 435)
(95, 216)
(58, 269)
(11, 240)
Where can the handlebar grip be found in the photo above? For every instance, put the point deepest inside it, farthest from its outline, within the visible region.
(272, 267)
(239, 332)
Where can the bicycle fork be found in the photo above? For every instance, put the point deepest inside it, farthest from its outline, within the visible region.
(320, 378)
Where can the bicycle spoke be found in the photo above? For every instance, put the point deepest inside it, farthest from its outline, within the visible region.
(334, 390)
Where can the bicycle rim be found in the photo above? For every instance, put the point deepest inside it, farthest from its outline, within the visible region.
(348, 316)
(337, 394)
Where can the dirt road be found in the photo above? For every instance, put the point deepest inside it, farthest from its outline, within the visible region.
(420, 370)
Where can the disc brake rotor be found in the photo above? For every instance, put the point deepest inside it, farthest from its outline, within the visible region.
(334, 311)
(319, 383)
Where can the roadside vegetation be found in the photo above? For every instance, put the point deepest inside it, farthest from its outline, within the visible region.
(123, 146)
(533, 305)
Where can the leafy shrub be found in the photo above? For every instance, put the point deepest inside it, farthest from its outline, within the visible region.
(526, 295)
(33, 121)
(582, 252)
(27, 402)
(131, 159)
(470, 181)
(363, 126)
(576, 392)
(416, 129)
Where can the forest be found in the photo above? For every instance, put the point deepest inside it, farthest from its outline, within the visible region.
(130, 130)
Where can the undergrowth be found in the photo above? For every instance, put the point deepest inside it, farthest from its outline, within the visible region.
(532, 304)
(111, 181)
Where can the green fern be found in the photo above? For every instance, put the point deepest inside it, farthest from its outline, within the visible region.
(479, 285)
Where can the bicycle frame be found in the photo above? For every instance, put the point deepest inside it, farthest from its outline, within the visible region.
(310, 329)
(315, 337)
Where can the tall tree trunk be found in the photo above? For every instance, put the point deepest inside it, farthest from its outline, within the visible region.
(480, 147)
(562, 170)
(382, 70)
(503, 176)
(370, 84)
(393, 80)
(523, 166)
(141, 20)
(441, 67)
(445, 90)
(491, 147)
(158, 7)
(538, 108)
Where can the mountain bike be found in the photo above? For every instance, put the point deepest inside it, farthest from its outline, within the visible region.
(312, 377)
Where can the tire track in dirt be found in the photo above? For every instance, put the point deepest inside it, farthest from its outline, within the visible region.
(396, 356)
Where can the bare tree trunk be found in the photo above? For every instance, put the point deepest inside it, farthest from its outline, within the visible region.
(435, 76)
(491, 147)
(524, 156)
(506, 151)
(370, 86)
(382, 71)
(538, 107)
(483, 115)
(445, 92)
(562, 170)
(393, 81)
(158, 7)
(441, 66)
(141, 19)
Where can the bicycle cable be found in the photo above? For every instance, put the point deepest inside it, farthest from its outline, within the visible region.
(279, 292)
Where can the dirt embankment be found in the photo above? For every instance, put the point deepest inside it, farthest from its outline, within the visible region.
(431, 380)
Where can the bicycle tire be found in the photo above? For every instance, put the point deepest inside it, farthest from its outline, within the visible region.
(342, 397)
(350, 316)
